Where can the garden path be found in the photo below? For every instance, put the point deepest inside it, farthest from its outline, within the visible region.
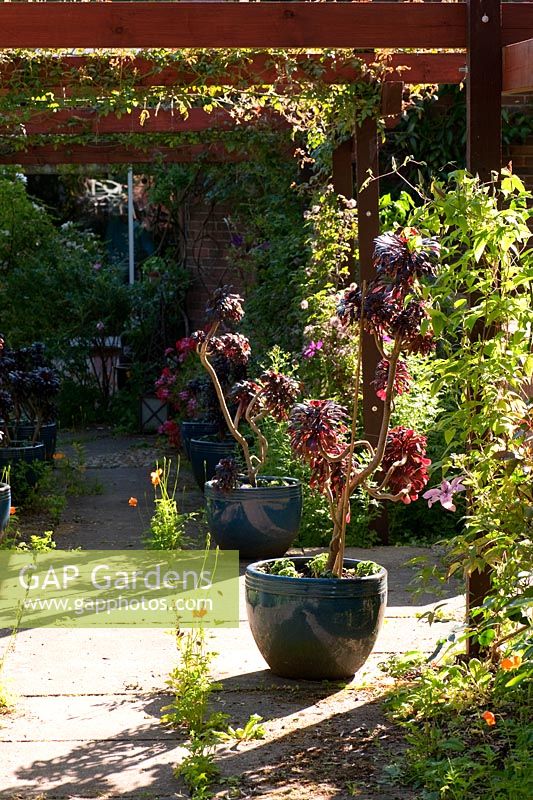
(86, 719)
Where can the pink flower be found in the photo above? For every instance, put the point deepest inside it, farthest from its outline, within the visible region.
(312, 349)
(444, 493)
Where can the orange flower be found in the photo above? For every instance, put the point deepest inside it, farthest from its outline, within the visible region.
(156, 477)
(58, 456)
(12, 510)
(511, 662)
(133, 502)
(489, 718)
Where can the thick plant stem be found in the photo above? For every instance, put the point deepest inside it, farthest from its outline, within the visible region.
(237, 435)
(338, 542)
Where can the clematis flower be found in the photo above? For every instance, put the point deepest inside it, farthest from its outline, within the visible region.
(133, 502)
(489, 718)
(444, 493)
(511, 662)
(312, 349)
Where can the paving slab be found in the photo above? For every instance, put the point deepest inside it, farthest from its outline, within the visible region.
(86, 723)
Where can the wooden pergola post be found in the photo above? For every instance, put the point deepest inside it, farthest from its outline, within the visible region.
(484, 156)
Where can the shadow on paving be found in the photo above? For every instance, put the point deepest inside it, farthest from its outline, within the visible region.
(331, 756)
(133, 763)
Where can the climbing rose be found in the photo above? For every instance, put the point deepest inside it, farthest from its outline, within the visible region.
(402, 378)
(407, 450)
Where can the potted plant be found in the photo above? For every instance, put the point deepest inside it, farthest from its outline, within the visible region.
(193, 408)
(5, 500)
(255, 514)
(32, 386)
(24, 390)
(319, 618)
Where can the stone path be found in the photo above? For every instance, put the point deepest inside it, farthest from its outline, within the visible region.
(86, 721)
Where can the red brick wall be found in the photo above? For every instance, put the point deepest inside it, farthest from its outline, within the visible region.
(208, 258)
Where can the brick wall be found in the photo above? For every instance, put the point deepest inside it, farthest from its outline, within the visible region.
(207, 257)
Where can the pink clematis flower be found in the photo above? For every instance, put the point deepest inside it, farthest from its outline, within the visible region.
(312, 349)
(444, 493)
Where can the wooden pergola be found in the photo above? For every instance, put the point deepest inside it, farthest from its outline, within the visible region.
(486, 43)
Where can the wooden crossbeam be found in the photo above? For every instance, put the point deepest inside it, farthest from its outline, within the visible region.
(76, 121)
(518, 68)
(47, 155)
(80, 121)
(407, 67)
(233, 25)
(241, 25)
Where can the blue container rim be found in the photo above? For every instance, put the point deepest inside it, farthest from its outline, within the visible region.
(252, 571)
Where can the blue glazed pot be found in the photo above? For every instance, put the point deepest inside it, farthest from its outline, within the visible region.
(259, 522)
(47, 435)
(5, 504)
(205, 455)
(26, 453)
(315, 628)
(194, 429)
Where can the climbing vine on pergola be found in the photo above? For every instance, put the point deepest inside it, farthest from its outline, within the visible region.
(183, 81)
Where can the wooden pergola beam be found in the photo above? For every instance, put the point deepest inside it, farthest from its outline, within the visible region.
(48, 155)
(81, 120)
(409, 67)
(240, 25)
(232, 25)
(518, 68)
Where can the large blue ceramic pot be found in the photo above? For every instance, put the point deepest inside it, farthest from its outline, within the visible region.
(194, 429)
(205, 455)
(5, 504)
(259, 522)
(47, 435)
(315, 628)
(27, 453)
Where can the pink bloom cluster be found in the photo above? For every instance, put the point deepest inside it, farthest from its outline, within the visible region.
(171, 429)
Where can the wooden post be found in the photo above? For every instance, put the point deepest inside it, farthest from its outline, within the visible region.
(484, 156)
(343, 183)
(367, 159)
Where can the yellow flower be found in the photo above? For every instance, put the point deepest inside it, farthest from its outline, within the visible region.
(156, 477)
(511, 662)
(58, 456)
(133, 502)
(489, 718)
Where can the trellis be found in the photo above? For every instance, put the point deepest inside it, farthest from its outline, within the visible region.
(494, 40)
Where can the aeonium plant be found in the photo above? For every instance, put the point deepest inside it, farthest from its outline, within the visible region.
(28, 388)
(326, 437)
(272, 394)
